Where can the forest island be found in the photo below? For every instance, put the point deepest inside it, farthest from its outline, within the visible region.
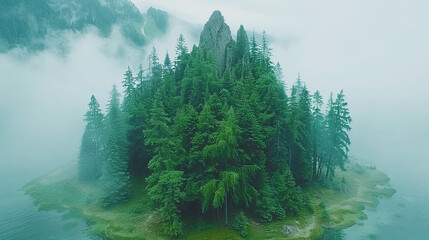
(212, 145)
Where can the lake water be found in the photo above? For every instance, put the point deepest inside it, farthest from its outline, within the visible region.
(20, 219)
(404, 216)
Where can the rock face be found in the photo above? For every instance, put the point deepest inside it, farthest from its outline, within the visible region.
(216, 37)
(289, 229)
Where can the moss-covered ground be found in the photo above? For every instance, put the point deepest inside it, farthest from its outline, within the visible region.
(338, 205)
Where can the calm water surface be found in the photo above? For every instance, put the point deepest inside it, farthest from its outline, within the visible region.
(20, 219)
(404, 216)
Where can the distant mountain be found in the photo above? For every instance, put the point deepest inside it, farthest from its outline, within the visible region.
(27, 23)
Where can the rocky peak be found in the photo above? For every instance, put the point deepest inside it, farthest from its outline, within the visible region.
(216, 37)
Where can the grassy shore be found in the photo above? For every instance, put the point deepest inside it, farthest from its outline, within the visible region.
(338, 205)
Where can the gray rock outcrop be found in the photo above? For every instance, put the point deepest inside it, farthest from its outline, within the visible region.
(216, 37)
(289, 229)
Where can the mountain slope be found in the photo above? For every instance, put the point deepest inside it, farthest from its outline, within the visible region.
(27, 23)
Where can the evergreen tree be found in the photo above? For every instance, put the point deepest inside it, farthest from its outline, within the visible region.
(116, 178)
(266, 51)
(300, 139)
(165, 183)
(180, 61)
(128, 83)
(181, 49)
(241, 49)
(254, 50)
(338, 124)
(318, 132)
(169, 88)
(278, 71)
(154, 72)
(240, 224)
(216, 192)
(92, 143)
(230, 142)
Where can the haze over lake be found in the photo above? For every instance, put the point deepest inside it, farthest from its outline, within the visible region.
(375, 51)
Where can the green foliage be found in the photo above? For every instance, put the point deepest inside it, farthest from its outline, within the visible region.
(116, 177)
(291, 197)
(334, 234)
(220, 142)
(338, 124)
(90, 155)
(241, 224)
(299, 119)
(241, 50)
(168, 191)
(324, 213)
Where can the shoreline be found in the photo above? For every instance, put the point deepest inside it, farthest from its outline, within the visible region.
(339, 206)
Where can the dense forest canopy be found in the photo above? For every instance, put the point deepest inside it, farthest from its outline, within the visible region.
(214, 129)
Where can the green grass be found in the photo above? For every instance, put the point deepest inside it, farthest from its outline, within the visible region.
(342, 205)
(345, 202)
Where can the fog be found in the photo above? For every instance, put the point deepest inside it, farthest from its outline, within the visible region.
(375, 50)
(44, 95)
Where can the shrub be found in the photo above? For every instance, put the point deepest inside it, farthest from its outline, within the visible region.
(240, 224)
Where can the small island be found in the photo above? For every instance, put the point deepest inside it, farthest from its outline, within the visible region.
(212, 145)
(339, 206)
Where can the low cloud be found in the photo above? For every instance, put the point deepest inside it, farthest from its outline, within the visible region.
(44, 95)
(375, 50)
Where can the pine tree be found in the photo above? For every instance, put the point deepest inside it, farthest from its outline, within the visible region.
(116, 178)
(266, 52)
(338, 124)
(318, 133)
(216, 192)
(181, 49)
(180, 61)
(289, 196)
(128, 83)
(241, 50)
(169, 88)
(300, 134)
(154, 72)
(165, 183)
(230, 142)
(254, 50)
(240, 224)
(90, 156)
(278, 71)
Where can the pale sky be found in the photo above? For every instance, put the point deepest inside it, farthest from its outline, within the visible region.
(377, 51)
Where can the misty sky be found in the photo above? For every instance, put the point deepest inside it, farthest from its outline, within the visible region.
(375, 50)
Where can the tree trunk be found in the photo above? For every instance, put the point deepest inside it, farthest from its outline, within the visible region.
(314, 162)
(327, 172)
(226, 209)
(319, 174)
